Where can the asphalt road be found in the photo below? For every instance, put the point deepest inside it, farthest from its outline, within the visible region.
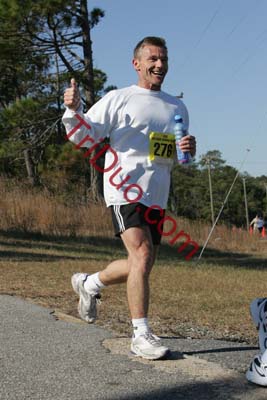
(46, 355)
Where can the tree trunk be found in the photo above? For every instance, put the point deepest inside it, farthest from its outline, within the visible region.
(88, 75)
(33, 177)
(88, 83)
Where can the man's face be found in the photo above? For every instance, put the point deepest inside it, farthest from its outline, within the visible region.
(151, 66)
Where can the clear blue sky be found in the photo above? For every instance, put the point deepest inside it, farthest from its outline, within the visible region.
(217, 57)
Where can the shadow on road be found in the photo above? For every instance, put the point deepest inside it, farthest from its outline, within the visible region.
(226, 389)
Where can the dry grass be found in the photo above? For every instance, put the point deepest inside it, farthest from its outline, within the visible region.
(22, 210)
(43, 241)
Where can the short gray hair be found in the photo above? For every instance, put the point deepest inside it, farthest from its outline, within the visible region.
(149, 40)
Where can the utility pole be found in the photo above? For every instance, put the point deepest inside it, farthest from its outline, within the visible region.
(207, 161)
(246, 203)
(211, 195)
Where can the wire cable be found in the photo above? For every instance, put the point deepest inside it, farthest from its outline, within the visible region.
(204, 31)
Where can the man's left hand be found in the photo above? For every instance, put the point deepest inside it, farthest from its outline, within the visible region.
(188, 143)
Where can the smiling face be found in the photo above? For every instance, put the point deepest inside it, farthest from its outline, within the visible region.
(151, 65)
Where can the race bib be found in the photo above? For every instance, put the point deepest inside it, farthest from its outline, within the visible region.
(161, 147)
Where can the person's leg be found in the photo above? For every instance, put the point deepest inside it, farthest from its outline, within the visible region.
(141, 242)
(258, 311)
(138, 244)
(124, 218)
(135, 270)
(257, 372)
(117, 271)
(141, 257)
(88, 286)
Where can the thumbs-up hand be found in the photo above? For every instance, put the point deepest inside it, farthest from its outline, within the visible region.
(72, 98)
(73, 83)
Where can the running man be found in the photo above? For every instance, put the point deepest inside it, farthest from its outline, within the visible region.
(136, 186)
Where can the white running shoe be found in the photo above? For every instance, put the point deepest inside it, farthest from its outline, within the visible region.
(87, 302)
(257, 372)
(148, 346)
(258, 311)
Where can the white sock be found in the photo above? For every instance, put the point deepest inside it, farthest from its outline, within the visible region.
(93, 284)
(140, 326)
(264, 357)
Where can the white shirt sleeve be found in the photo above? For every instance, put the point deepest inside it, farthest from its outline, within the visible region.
(95, 125)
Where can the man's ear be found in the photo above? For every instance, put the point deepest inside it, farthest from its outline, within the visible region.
(136, 64)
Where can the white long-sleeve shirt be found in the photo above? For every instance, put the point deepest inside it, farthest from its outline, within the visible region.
(137, 121)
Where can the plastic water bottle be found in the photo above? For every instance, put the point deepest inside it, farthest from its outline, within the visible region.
(179, 132)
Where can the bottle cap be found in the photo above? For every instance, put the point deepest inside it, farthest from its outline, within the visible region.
(178, 118)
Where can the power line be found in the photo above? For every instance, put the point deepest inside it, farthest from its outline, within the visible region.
(242, 19)
(204, 31)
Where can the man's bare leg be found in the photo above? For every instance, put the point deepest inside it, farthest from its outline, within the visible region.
(135, 270)
(141, 252)
(116, 272)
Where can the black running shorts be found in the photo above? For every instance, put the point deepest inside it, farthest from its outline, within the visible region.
(137, 214)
